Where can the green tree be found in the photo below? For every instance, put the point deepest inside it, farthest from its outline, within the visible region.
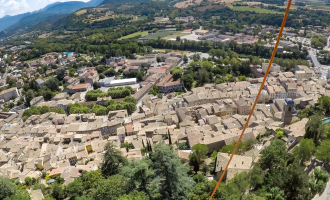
(102, 76)
(276, 194)
(52, 84)
(96, 85)
(28, 181)
(74, 189)
(20, 195)
(274, 156)
(130, 99)
(29, 96)
(111, 188)
(110, 72)
(11, 82)
(241, 78)
(305, 150)
(314, 129)
(256, 176)
(188, 81)
(185, 59)
(279, 133)
(112, 161)
(171, 179)
(135, 195)
(8, 188)
(57, 192)
(297, 178)
(322, 151)
(83, 198)
(324, 103)
(306, 113)
(19, 102)
(91, 179)
(252, 197)
(72, 71)
(176, 72)
(140, 175)
(60, 74)
(199, 152)
(126, 145)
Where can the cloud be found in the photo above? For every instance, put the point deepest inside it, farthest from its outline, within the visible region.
(13, 7)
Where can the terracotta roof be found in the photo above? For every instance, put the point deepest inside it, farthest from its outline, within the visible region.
(166, 79)
(129, 128)
(160, 70)
(81, 86)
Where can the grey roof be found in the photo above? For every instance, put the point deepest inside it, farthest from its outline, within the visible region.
(39, 81)
(289, 101)
(106, 81)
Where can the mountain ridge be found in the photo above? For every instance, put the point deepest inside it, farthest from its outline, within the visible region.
(52, 10)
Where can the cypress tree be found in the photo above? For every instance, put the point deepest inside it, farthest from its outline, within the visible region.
(143, 143)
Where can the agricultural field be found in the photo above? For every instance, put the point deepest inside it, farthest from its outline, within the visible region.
(187, 3)
(292, 7)
(136, 18)
(170, 50)
(223, 1)
(160, 34)
(176, 34)
(317, 6)
(81, 12)
(102, 18)
(252, 9)
(211, 7)
(134, 35)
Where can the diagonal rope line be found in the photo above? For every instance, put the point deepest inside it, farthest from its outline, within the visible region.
(256, 100)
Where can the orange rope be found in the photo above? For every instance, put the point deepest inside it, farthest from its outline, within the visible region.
(256, 100)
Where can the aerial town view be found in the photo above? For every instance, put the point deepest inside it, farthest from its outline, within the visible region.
(147, 100)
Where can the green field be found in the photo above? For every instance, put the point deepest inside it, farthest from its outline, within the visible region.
(170, 50)
(292, 7)
(318, 5)
(252, 9)
(160, 34)
(174, 35)
(102, 19)
(134, 35)
(135, 18)
(81, 12)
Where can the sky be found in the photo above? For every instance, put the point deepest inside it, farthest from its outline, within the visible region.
(14, 7)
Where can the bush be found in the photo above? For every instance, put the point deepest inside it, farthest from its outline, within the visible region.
(120, 92)
(8, 188)
(94, 94)
(182, 146)
(34, 110)
(102, 76)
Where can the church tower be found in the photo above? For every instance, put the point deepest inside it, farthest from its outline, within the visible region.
(287, 111)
